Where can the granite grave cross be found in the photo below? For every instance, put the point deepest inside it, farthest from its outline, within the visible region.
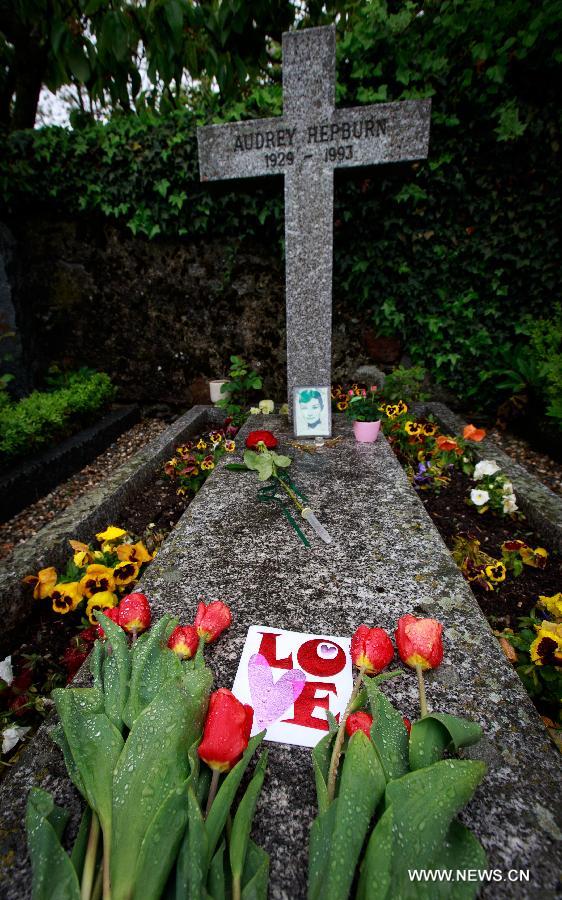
(306, 144)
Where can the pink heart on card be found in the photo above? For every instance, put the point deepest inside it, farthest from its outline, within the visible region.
(271, 699)
(327, 651)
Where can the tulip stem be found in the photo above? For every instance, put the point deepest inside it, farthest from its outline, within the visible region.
(98, 885)
(236, 888)
(336, 752)
(421, 688)
(212, 790)
(106, 875)
(90, 859)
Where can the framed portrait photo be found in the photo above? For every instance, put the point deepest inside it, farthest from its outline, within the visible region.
(312, 411)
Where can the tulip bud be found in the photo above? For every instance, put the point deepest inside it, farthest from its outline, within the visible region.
(134, 613)
(111, 613)
(371, 649)
(212, 619)
(265, 437)
(419, 642)
(407, 724)
(359, 721)
(227, 731)
(184, 641)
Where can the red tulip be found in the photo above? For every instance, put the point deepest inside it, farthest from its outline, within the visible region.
(227, 731)
(134, 613)
(265, 437)
(407, 724)
(371, 649)
(184, 641)
(211, 620)
(359, 721)
(419, 642)
(111, 613)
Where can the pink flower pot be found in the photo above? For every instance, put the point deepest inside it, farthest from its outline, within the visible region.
(366, 432)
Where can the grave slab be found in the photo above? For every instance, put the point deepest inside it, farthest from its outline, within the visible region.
(387, 559)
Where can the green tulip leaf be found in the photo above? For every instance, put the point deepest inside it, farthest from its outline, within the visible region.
(256, 873)
(216, 881)
(197, 850)
(57, 735)
(96, 664)
(388, 733)
(154, 762)
(94, 743)
(319, 849)
(152, 666)
(116, 670)
(361, 786)
(242, 825)
(321, 756)
(218, 813)
(412, 832)
(78, 854)
(54, 876)
(434, 734)
(161, 842)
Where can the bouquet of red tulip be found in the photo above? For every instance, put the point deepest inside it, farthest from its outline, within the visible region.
(391, 806)
(155, 819)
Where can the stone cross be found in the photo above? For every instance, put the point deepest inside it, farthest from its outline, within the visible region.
(306, 144)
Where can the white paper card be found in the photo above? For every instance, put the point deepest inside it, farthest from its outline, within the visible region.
(291, 679)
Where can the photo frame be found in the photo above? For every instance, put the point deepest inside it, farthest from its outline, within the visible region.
(312, 411)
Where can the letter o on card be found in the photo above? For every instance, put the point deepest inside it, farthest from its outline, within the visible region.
(317, 657)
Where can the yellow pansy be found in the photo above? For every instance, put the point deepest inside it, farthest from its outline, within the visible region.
(43, 583)
(201, 445)
(83, 558)
(111, 533)
(101, 600)
(496, 572)
(553, 605)
(97, 578)
(125, 573)
(546, 649)
(412, 428)
(133, 553)
(66, 597)
(401, 407)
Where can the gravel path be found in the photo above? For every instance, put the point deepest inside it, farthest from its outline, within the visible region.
(30, 520)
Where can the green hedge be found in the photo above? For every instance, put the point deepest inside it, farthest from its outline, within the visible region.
(451, 253)
(41, 417)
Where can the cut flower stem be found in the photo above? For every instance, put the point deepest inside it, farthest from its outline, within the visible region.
(421, 688)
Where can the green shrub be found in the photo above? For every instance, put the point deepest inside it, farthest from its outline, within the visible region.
(405, 384)
(546, 342)
(42, 416)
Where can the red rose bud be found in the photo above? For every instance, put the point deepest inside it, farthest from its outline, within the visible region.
(265, 437)
(134, 613)
(184, 641)
(407, 724)
(227, 731)
(419, 642)
(212, 620)
(111, 613)
(359, 721)
(371, 649)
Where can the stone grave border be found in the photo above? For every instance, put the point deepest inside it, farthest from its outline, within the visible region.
(91, 512)
(32, 478)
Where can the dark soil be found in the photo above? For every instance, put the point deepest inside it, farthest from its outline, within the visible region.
(515, 596)
(158, 504)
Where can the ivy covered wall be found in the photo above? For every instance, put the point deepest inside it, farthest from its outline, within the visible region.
(452, 253)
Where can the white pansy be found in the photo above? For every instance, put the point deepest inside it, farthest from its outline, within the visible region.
(284, 409)
(11, 736)
(266, 406)
(6, 673)
(254, 411)
(509, 504)
(479, 498)
(485, 467)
